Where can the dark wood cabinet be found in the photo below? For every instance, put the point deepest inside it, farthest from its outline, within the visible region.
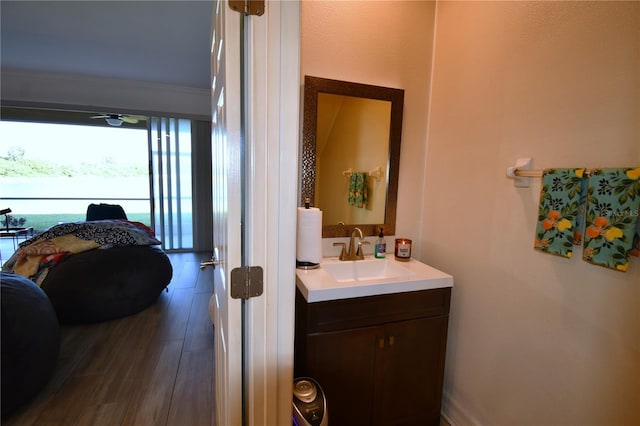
(379, 359)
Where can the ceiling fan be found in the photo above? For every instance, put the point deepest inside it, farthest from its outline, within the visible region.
(118, 119)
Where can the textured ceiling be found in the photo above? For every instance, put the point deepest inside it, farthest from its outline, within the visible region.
(156, 41)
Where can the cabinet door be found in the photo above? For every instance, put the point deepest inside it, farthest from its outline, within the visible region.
(410, 386)
(344, 363)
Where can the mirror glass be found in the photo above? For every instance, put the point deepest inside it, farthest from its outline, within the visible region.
(351, 154)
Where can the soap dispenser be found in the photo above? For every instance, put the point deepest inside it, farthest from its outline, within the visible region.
(381, 245)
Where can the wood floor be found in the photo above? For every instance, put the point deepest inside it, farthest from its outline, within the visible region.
(152, 368)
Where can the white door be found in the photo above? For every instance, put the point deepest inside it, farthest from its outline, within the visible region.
(227, 171)
(269, 166)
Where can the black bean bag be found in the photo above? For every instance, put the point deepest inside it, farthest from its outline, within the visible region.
(105, 284)
(30, 340)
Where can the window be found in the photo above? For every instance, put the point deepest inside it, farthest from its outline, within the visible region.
(51, 171)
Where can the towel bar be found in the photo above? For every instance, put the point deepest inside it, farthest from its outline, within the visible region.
(514, 172)
(376, 173)
(521, 171)
(527, 173)
(537, 173)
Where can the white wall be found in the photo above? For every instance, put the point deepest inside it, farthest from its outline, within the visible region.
(534, 339)
(384, 43)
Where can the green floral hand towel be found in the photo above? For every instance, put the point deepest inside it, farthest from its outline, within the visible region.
(562, 199)
(612, 217)
(358, 193)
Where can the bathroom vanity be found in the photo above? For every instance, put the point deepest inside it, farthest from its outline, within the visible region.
(372, 332)
(375, 343)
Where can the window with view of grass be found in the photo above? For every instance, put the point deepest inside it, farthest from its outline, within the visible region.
(51, 172)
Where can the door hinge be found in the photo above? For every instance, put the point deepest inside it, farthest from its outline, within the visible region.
(246, 282)
(248, 7)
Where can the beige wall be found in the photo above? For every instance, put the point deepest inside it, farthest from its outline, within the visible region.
(385, 43)
(534, 339)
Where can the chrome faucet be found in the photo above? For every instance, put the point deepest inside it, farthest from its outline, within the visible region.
(355, 251)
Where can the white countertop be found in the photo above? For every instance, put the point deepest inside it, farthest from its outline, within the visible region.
(317, 285)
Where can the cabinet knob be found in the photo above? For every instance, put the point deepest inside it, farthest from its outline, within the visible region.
(381, 343)
(392, 340)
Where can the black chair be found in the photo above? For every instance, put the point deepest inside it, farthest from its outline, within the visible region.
(104, 211)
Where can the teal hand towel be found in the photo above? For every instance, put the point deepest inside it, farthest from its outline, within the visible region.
(612, 217)
(358, 192)
(562, 197)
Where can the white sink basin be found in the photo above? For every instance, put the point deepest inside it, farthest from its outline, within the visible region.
(364, 270)
(336, 279)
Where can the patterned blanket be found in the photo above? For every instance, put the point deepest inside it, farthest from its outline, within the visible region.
(37, 255)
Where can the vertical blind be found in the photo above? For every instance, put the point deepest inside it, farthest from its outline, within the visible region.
(171, 189)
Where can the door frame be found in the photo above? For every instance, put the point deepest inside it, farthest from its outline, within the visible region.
(272, 144)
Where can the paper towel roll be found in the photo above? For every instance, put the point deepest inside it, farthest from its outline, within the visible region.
(309, 235)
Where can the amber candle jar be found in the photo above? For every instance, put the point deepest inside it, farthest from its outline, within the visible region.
(403, 249)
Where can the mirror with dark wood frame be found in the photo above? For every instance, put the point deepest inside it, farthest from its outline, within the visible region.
(351, 128)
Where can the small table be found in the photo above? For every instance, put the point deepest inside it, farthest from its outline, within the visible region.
(16, 233)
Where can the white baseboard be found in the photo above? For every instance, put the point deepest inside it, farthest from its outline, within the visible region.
(455, 413)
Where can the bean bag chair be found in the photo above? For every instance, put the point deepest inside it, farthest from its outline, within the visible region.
(30, 340)
(101, 285)
(95, 270)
